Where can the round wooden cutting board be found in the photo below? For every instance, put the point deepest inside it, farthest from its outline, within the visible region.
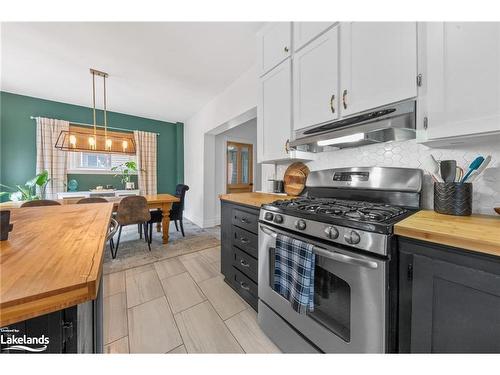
(295, 178)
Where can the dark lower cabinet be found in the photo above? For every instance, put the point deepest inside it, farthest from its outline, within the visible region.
(76, 329)
(239, 249)
(449, 300)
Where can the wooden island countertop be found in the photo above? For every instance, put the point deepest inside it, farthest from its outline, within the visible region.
(479, 233)
(253, 199)
(52, 259)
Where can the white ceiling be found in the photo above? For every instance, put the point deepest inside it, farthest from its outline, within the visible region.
(164, 71)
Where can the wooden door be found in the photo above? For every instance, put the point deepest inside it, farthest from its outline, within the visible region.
(316, 81)
(239, 162)
(274, 113)
(378, 63)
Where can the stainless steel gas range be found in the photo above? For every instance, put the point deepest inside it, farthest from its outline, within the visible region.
(348, 216)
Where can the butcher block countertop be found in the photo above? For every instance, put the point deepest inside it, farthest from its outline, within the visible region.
(52, 259)
(479, 233)
(253, 199)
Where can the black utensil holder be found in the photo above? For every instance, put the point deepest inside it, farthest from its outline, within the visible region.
(453, 198)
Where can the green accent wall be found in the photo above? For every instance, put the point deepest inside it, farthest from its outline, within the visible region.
(18, 140)
(90, 181)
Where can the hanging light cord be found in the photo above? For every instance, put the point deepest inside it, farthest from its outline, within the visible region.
(93, 103)
(105, 116)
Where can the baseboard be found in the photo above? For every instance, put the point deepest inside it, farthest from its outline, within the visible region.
(208, 223)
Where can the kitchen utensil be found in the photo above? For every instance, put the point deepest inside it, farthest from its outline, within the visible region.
(448, 169)
(459, 174)
(474, 175)
(432, 167)
(295, 178)
(476, 163)
(497, 210)
(453, 198)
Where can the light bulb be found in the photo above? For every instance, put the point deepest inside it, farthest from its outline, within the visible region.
(92, 143)
(72, 141)
(124, 145)
(109, 143)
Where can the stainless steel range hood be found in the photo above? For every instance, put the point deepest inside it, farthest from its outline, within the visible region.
(390, 123)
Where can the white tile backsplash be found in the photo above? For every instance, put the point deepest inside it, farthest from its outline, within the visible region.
(409, 154)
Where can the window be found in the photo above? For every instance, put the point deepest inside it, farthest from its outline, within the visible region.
(92, 162)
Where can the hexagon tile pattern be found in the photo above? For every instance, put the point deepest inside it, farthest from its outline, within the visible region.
(409, 154)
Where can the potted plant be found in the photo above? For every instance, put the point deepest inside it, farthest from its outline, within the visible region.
(28, 191)
(124, 172)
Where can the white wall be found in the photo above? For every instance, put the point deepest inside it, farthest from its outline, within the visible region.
(235, 105)
(244, 133)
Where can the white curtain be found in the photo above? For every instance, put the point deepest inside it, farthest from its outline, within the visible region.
(50, 158)
(145, 146)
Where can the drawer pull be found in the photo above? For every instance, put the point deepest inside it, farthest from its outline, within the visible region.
(244, 220)
(244, 285)
(244, 240)
(244, 263)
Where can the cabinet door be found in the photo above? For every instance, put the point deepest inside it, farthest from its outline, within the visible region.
(455, 309)
(304, 32)
(378, 64)
(315, 81)
(274, 45)
(274, 113)
(463, 78)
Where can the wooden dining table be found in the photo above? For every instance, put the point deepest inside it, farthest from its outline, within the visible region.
(163, 201)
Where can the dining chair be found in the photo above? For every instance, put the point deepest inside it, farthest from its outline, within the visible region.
(92, 200)
(132, 210)
(177, 211)
(113, 227)
(40, 202)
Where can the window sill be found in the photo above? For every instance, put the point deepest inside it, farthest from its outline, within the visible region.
(94, 171)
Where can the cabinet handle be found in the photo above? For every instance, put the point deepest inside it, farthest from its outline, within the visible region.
(287, 146)
(332, 100)
(286, 49)
(344, 96)
(244, 240)
(244, 263)
(244, 220)
(244, 285)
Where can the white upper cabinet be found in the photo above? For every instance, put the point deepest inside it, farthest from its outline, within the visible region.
(316, 81)
(274, 113)
(378, 64)
(274, 45)
(462, 79)
(304, 32)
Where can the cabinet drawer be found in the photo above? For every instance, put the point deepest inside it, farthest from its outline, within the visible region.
(245, 219)
(246, 288)
(245, 263)
(245, 241)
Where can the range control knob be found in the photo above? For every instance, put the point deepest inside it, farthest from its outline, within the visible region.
(300, 224)
(331, 232)
(268, 216)
(352, 237)
(278, 219)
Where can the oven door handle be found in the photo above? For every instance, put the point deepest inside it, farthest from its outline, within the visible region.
(338, 257)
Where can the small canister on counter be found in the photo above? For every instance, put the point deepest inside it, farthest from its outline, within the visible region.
(453, 198)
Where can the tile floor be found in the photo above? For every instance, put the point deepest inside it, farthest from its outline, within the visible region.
(174, 299)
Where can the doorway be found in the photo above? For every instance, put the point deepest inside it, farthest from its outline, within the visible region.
(239, 167)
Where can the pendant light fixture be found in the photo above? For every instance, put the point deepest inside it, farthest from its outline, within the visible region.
(91, 139)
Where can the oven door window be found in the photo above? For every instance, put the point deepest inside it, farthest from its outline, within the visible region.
(332, 298)
(332, 301)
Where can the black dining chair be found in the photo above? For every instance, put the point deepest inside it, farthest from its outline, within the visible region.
(175, 212)
(132, 210)
(40, 202)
